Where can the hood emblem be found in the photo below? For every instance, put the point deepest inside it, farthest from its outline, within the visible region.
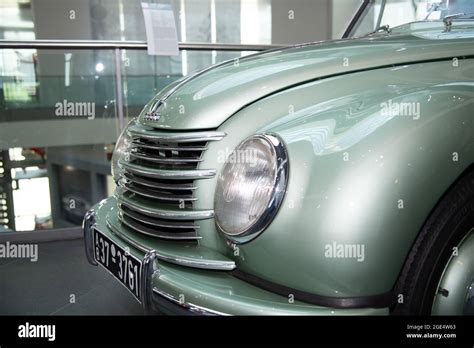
(153, 114)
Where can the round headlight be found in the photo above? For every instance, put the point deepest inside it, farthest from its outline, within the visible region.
(251, 187)
(122, 148)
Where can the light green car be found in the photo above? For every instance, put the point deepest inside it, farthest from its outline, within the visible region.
(319, 179)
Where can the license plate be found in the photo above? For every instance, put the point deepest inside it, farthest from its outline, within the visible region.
(121, 264)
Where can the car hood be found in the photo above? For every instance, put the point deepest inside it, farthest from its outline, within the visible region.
(206, 99)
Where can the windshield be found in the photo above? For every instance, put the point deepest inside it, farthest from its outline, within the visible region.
(379, 13)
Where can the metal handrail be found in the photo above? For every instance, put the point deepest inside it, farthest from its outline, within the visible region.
(136, 45)
(118, 46)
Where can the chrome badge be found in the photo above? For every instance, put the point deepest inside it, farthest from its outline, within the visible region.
(153, 114)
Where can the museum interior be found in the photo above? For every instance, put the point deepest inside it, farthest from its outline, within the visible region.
(54, 167)
(73, 73)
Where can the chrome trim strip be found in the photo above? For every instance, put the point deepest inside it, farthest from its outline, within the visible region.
(158, 234)
(195, 309)
(167, 174)
(155, 222)
(156, 195)
(129, 177)
(165, 160)
(159, 185)
(126, 239)
(218, 265)
(148, 271)
(166, 214)
(138, 144)
(88, 225)
(174, 137)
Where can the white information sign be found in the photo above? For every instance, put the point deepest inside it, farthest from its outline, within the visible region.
(160, 27)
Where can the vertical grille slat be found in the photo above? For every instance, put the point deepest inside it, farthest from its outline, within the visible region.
(159, 175)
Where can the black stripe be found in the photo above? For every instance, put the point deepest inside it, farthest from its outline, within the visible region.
(374, 301)
(360, 11)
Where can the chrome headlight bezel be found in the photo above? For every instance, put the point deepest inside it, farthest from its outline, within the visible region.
(281, 173)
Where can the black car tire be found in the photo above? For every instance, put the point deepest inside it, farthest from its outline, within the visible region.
(448, 224)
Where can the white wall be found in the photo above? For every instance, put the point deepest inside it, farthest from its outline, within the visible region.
(300, 21)
(342, 13)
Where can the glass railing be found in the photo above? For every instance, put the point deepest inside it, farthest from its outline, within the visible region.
(62, 106)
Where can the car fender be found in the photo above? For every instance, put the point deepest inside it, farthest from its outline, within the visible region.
(361, 177)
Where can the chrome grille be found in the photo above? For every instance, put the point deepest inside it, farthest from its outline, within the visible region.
(161, 228)
(156, 189)
(166, 155)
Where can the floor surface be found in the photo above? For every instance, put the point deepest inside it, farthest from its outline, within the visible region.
(60, 276)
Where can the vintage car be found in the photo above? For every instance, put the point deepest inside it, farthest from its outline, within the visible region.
(328, 178)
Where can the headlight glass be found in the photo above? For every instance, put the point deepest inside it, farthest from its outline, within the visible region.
(122, 149)
(250, 187)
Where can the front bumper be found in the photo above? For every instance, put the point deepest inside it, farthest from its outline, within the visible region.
(175, 289)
